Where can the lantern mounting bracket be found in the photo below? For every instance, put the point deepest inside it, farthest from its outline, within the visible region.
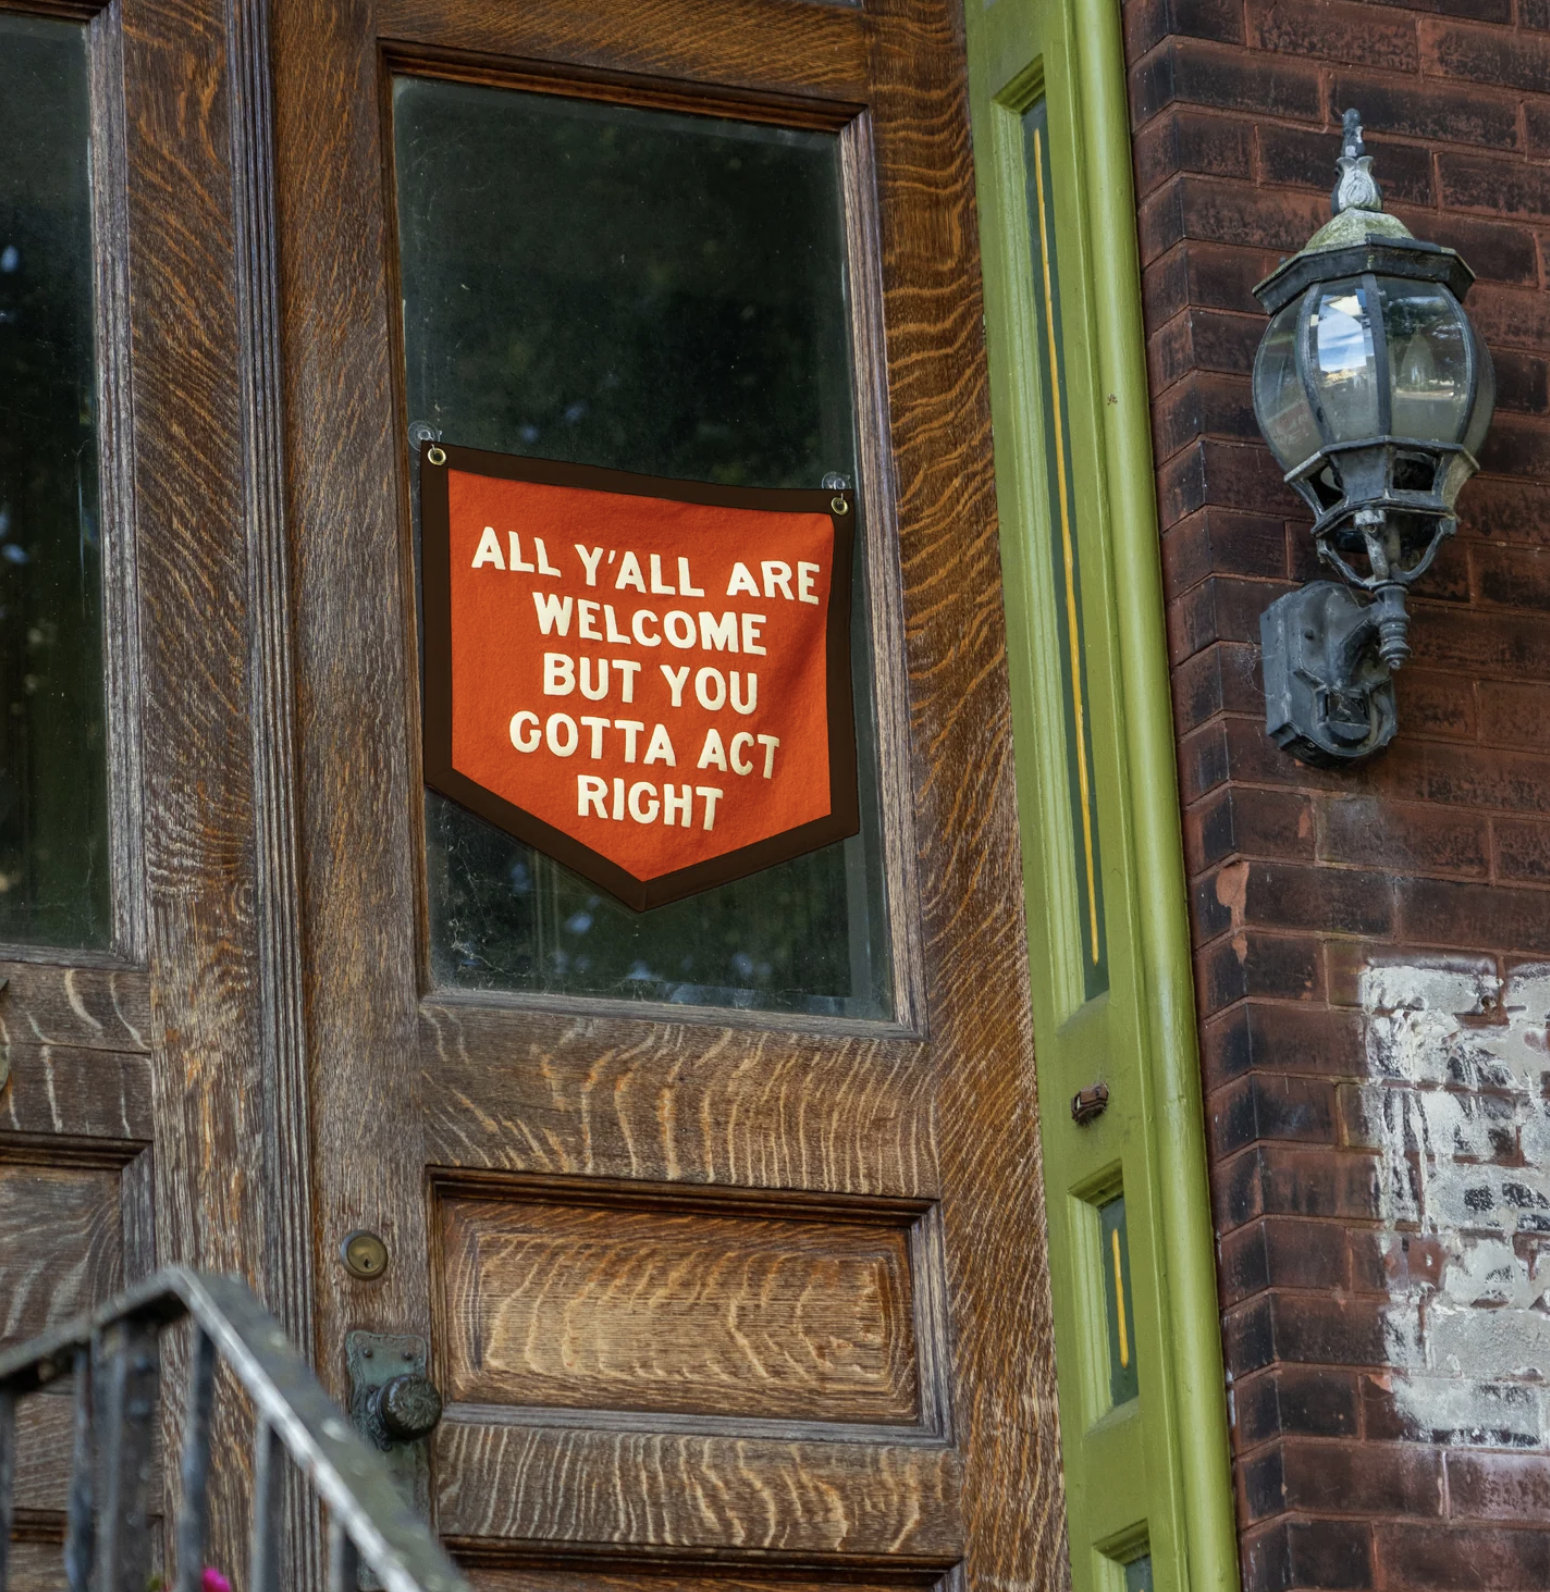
(1329, 696)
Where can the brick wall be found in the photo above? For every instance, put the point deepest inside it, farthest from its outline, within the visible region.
(1373, 1030)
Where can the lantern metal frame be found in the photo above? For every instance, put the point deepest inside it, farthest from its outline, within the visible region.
(1382, 504)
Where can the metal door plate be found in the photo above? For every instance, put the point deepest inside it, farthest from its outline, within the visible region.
(373, 1360)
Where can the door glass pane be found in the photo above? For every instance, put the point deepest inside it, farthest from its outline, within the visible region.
(53, 760)
(666, 294)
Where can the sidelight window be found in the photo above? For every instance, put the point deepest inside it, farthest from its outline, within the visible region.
(54, 873)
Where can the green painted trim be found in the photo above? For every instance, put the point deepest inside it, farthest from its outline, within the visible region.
(1162, 900)
(1153, 1475)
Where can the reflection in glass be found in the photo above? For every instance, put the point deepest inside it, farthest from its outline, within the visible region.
(659, 293)
(54, 886)
(1428, 360)
(1345, 367)
(1280, 399)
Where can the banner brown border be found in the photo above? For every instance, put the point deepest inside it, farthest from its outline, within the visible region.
(844, 817)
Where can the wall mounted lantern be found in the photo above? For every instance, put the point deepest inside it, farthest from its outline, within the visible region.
(1374, 392)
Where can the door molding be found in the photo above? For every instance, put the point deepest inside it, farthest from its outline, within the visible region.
(1152, 1474)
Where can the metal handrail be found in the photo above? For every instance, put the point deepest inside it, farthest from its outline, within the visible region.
(114, 1356)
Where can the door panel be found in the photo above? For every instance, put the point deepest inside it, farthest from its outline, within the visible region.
(563, 1295)
(763, 1288)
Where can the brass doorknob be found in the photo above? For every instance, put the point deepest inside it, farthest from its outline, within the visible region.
(405, 1409)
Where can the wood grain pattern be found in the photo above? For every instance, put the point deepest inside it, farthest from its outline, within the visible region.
(676, 1309)
(971, 899)
(44, 1438)
(669, 1491)
(36, 1567)
(680, 1576)
(90, 1008)
(738, 43)
(61, 1244)
(404, 1094)
(220, 970)
(59, 1089)
(533, 1092)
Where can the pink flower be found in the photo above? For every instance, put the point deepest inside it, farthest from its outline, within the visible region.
(214, 1581)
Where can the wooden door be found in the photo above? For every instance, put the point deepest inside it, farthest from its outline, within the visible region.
(740, 1277)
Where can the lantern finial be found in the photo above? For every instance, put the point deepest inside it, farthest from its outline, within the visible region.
(1356, 189)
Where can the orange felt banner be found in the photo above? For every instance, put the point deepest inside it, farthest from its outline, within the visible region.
(650, 678)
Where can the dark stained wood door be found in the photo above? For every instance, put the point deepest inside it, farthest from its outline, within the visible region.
(717, 1297)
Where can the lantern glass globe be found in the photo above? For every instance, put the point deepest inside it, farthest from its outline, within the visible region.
(1369, 357)
(1281, 402)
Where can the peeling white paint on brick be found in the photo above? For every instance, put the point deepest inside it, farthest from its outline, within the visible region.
(1458, 1111)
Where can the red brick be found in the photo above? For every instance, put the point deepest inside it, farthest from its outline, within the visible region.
(1499, 1487)
(1306, 159)
(1507, 318)
(1149, 22)
(1278, 1180)
(1516, 445)
(1515, 713)
(1515, 577)
(1265, 1107)
(1282, 1039)
(1486, 55)
(1222, 679)
(1186, 140)
(1276, 966)
(1283, 1252)
(1305, 1329)
(1477, 1559)
(1521, 383)
(1405, 844)
(1210, 275)
(1403, 838)
(1467, 777)
(1407, 108)
(1286, 896)
(1474, 916)
(1499, 643)
(1496, 185)
(1218, 76)
(1255, 218)
(1334, 30)
(1322, 1554)
(1202, 761)
(1536, 126)
(1254, 823)
(1221, 608)
(1433, 704)
(1231, 474)
(1293, 1399)
(1495, 251)
(1514, 511)
(1203, 339)
(1522, 852)
(1367, 1259)
(1480, 10)
(1346, 1478)
(1215, 541)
